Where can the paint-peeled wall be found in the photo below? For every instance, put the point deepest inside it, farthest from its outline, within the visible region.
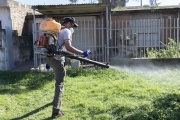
(22, 48)
(22, 37)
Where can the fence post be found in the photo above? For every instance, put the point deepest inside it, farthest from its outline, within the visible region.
(177, 37)
(135, 54)
(107, 32)
(34, 39)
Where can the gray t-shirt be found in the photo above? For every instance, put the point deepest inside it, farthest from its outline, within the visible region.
(65, 34)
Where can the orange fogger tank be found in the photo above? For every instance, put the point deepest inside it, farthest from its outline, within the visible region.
(50, 26)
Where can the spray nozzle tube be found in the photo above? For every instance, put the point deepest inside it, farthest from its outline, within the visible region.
(73, 56)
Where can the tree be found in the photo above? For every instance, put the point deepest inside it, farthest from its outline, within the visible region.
(116, 3)
(93, 1)
(153, 3)
(73, 1)
(122, 3)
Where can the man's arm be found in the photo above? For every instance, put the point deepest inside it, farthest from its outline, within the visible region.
(72, 49)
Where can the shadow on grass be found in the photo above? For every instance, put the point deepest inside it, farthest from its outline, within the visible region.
(33, 112)
(18, 82)
(164, 108)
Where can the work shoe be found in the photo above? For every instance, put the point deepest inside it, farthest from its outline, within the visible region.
(59, 114)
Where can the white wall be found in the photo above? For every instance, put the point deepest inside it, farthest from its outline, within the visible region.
(3, 2)
(5, 17)
(7, 43)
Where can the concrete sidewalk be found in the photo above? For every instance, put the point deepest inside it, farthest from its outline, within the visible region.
(25, 66)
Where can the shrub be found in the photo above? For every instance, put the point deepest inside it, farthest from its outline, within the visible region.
(171, 50)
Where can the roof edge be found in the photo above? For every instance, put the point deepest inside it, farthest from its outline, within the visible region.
(84, 4)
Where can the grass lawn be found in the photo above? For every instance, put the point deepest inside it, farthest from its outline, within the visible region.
(93, 95)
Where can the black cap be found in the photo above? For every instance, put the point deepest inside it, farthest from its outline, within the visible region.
(70, 19)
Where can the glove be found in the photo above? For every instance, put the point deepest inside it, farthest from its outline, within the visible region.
(86, 53)
(47, 67)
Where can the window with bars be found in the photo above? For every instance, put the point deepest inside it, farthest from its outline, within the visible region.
(0, 25)
(0, 35)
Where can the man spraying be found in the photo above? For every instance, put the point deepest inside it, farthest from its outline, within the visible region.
(57, 62)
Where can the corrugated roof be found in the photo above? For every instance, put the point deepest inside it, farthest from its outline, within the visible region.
(71, 9)
(123, 9)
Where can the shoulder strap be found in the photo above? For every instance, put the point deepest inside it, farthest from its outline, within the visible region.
(61, 46)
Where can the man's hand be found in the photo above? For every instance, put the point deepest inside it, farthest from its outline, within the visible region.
(86, 53)
(47, 66)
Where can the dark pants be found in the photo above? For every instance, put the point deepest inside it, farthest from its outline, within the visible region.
(58, 68)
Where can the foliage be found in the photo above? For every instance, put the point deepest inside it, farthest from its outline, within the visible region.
(170, 51)
(121, 3)
(73, 1)
(154, 2)
(91, 94)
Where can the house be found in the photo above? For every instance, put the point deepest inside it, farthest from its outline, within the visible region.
(17, 22)
(131, 31)
(120, 33)
(135, 29)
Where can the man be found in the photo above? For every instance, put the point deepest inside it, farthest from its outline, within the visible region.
(57, 62)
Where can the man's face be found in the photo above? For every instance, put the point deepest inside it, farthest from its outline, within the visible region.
(70, 25)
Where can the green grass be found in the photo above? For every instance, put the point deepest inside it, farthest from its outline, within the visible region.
(92, 95)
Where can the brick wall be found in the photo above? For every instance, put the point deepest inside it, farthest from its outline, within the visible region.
(18, 14)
